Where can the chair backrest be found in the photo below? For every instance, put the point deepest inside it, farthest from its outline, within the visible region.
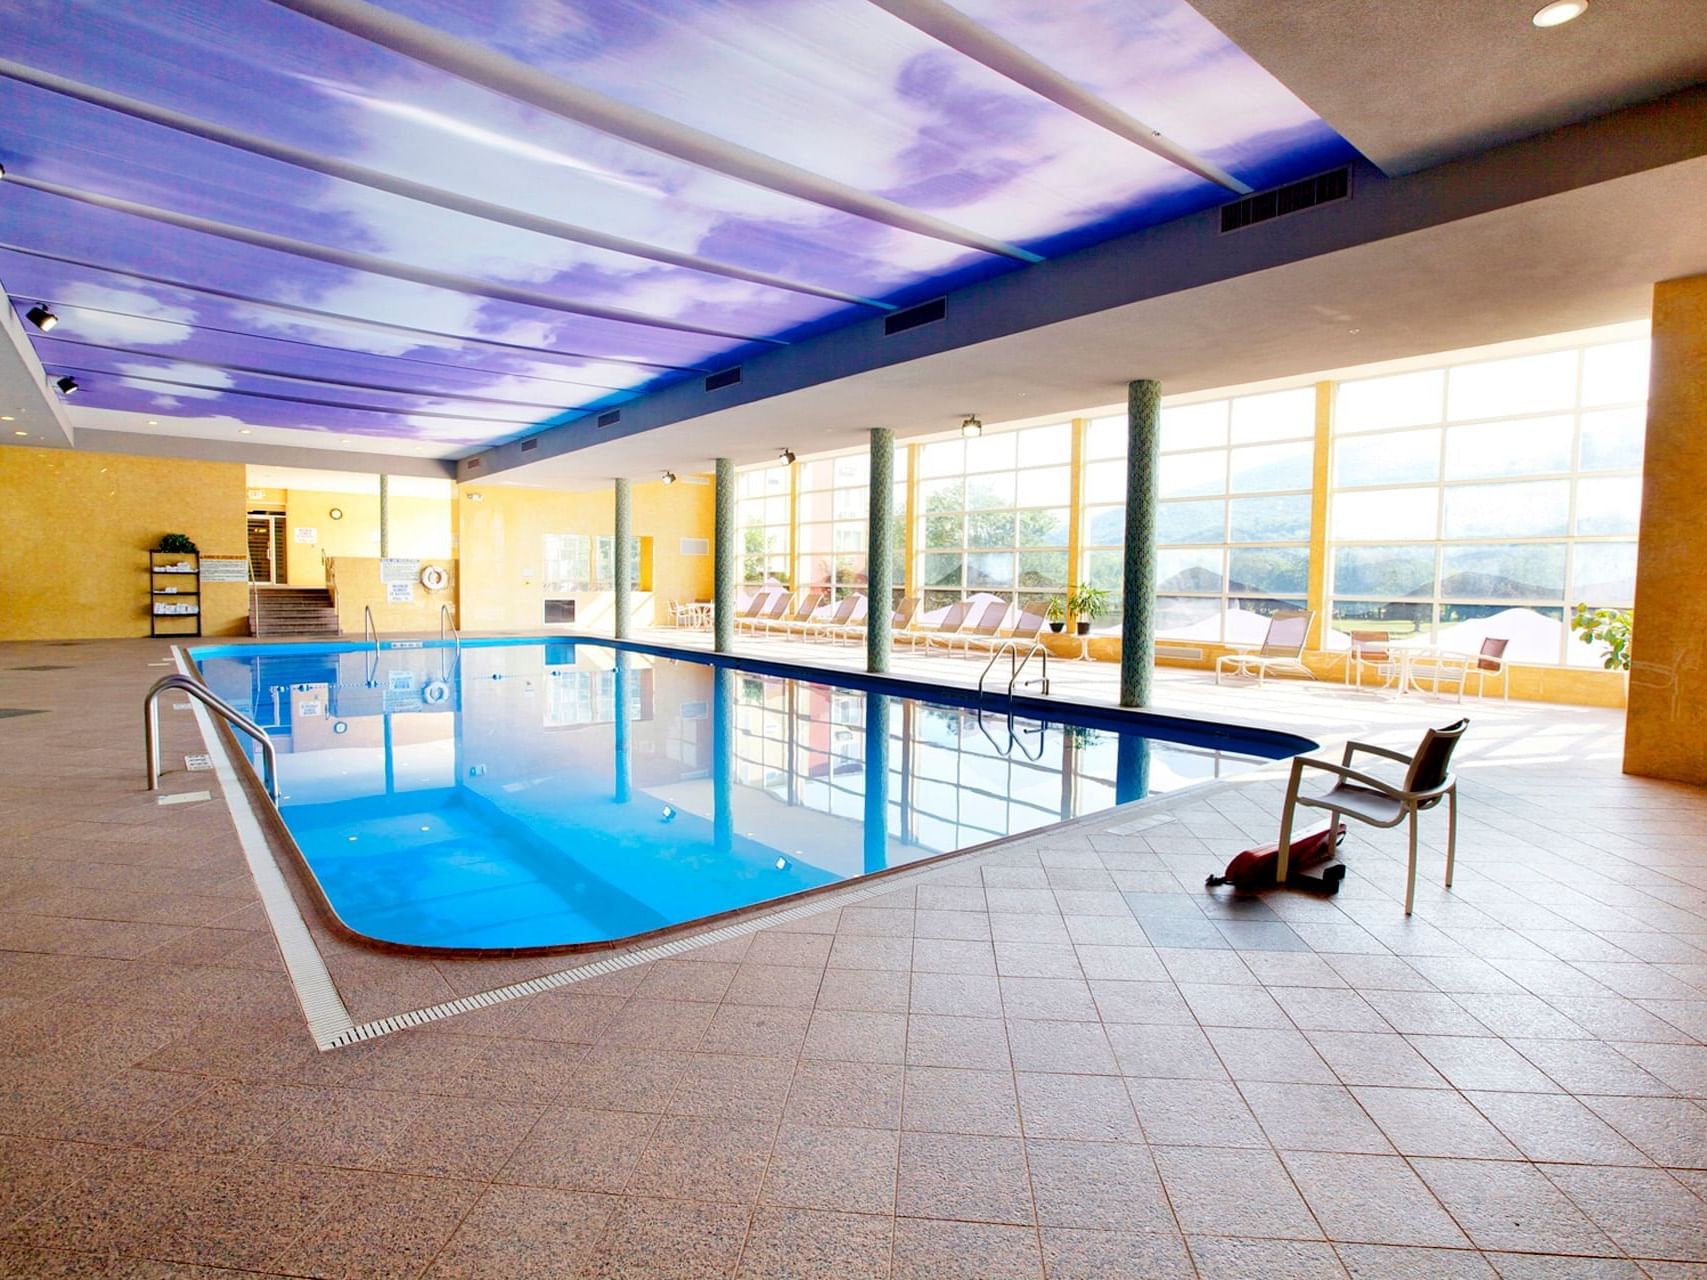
(1286, 634)
(1370, 646)
(779, 606)
(813, 601)
(1430, 766)
(954, 618)
(754, 605)
(903, 615)
(990, 621)
(845, 609)
(1029, 624)
(1493, 650)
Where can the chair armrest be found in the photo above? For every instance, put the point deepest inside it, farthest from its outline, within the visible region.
(1348, 775)
(1352, 747)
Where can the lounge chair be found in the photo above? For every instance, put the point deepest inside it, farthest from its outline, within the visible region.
(1428, 778)
(772, 612)
(827, 629)
(1282, 650)
(953, 618)
(1027, 628)
(810, 603)
(988, 624)
(900, 617)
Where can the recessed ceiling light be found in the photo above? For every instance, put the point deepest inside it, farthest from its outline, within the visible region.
(6, 417)
(154, 422)
(243, 431)
(20, 433)
(1559, 12)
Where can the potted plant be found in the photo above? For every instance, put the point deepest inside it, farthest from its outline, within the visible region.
(1057, 614)
(179, 542)
(1085, 604)
(1610, 627)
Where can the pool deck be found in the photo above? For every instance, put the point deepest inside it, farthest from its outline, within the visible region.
(1059, 1057)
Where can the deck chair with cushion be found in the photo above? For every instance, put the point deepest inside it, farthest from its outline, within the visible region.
(1428, 779)
(953, 618)
(1027, 628)
(826, 629)
(810, 603)
(1282, 650)
(989, 622)
(900, 617)
(767, 613)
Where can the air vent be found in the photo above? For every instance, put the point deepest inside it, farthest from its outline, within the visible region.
(528, 446)
(610, 418)
(473, 464)
(727, 378)
(925, 313)
(1293, 198)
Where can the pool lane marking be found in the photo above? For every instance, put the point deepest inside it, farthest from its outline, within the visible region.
(322, 1006)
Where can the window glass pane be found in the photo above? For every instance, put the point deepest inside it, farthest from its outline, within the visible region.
(1188, 475)
(1394, 572)
(1278, 415)
(1534, 635)
(1405, 623)
(1532, 447)
(815, 538)
(1105, 569)
(1106, 482)
(1043, 569)
(1403, 400)
(991, 452)
(1269, 519)
(990, 529)
(816, 506)
(1609, 504)
(1511, 571)
(1616, 374)
(1268, 569)
(1503, 388)
(853, 468)
(1047, 487)
(852, 502)
(1192, 426)
(942, 570)
(945, 531)
(1402, 457)
(995, 490)
(942, 495)
(1246, 619)
(1532, 510)
(1188, 617)
(1175, 522)
(850, 537)
(1190, 571)
(941, 459)
(1040, 446)
(990, 569)
(1604, 574)
(817, 475)
(1106, 437)
(1274, 466)
(1379, 517)
(1043, 528)
(1613, 439)
(1106, 526)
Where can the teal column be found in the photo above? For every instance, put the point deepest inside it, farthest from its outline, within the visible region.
(876, 782)
(384, 516)
(1138, 600)
(622, 556)
(1131, 769)
(622, 785)
(879, 550)
(723, 760)
(723, 552)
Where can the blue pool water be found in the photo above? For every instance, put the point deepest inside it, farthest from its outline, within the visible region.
(548, 793)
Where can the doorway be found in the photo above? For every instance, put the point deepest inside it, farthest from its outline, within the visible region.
(267, 565)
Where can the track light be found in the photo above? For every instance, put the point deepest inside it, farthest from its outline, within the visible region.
(41, 317)
(971, 428)
(66, 385)
(669, 477)
(787, 456)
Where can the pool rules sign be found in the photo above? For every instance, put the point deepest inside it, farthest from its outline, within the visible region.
(399, 579)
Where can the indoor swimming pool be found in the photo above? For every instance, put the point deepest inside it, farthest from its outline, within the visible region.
(521, 794)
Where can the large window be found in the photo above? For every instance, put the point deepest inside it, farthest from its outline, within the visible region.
(1486, 499)
(993, 516)
(761, 524)
(835, 501)
(1233, 521)
(579, 562)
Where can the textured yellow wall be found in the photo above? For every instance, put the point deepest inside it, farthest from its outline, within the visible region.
(501, 541)
(356, 585)
(420, 529)
(76, 528)
(1666, 727)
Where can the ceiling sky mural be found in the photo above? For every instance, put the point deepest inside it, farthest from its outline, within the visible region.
(451, 222)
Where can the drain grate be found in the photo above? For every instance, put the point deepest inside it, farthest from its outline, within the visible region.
(6, 713)
(46, 666)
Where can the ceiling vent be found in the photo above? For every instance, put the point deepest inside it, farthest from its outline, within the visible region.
(925, 313)
(727, 378)
(1292, 198)
(528, 446)
(473, 464)
(610, 417)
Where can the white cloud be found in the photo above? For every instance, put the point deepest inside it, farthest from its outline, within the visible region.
(135, 373)
(153, 323)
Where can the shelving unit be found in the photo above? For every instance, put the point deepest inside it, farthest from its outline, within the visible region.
(164, 569)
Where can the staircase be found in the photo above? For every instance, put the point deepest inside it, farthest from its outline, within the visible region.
(295, 612)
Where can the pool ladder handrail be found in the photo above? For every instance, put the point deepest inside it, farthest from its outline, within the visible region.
(445, 624)
(1017, 665)
(369, 631)
(208, 698)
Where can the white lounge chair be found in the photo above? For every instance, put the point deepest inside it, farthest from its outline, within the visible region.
(1282, 650)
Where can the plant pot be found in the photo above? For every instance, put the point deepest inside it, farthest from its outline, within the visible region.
(1084, 628)
(1056, 627)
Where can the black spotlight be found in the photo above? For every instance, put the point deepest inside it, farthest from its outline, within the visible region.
(669, 477)
(787, 456)
(41, 317)
(66, 385)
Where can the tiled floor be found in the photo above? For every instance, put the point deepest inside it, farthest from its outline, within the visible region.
(1060, 1058)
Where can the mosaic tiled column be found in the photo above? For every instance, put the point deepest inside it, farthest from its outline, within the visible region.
(1138, 602)
(876, 782)
(723, 552)
(879, 544)
(1131, 769)
(623, 786)
(723, 760)
(622, 556)
(384, 516)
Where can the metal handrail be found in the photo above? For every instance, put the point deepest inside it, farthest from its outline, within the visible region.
(1017, 665)
(211, 700)
(444, 624)
(1014, 738)
(368, 629)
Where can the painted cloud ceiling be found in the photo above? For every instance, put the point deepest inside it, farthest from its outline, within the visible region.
(455, 221)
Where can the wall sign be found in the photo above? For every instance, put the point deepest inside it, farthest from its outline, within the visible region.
(392, 570)
(307, 533)
(225, 569)
(400, 593)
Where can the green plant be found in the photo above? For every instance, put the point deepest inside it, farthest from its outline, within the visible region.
(1610, 627)
(1057, 610)
(1088, 602)
(179, 542)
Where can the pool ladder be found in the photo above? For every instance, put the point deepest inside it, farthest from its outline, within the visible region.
(1016, 668)
(208, 698)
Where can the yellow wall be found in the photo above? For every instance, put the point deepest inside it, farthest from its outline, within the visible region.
(501, 539)
(1666, 728)
(420, 529)
(356, 585)
(76, 528)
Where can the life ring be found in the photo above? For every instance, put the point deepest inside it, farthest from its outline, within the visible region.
(435, 692)
(434, 578)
